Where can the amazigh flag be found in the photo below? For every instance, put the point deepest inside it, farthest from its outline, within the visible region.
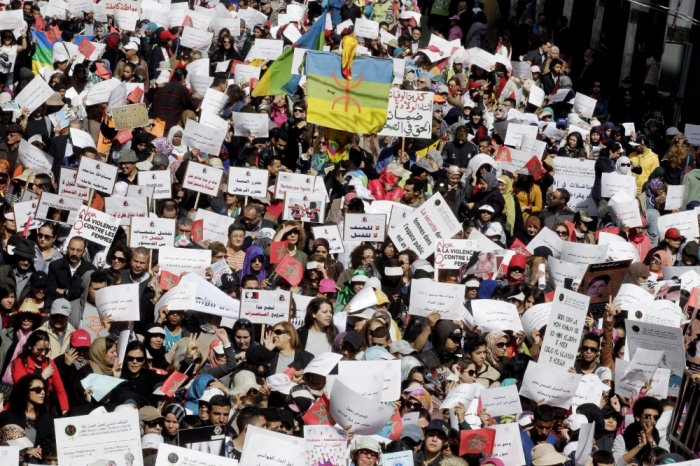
(290, 269)
(358, 104)
(43, 55)
(319, 413)
(278, 79)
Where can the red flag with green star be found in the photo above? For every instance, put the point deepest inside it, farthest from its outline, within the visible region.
(278, 249)
(198, 230)
(290, 269)
(319, 413)
(473, 442)
(396, 426)
(168, 280)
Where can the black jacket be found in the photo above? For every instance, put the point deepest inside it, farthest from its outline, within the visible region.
(301, 360)
(144, 384)
(454, 154)
(45, 434)
(67, 373)
(60, 277)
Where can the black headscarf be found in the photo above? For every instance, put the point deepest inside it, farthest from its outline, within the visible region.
(594, 415)
(158, 355)
(140, 138)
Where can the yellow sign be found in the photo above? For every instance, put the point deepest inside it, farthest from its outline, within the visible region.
(130, 116)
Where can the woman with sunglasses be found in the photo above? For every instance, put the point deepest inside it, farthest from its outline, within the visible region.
(497, 349)
(34, 360)
(657, 261)
(140, 378)
(28, 409)
(365, 451)
(284, 342)
(293, 232)
(254, 263)
(46, 235)
(562, 231)
(476, 349)
(321, 247)
(314, 273)
(119, 257)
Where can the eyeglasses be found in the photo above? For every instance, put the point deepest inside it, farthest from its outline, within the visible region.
(248, 220)
(650, 416)
(370, 453)
(589, 349)
(42, 350)
(469, 372)
(135, 359)
(152, 424)
(560, 232)
(500, 344)
(625, 164)
(258, 259)
(516, 270)
(37, 390)
(119, 259)
(43, 236)
(279, 331)
(403, 263)
(414, 404)
(298, 110)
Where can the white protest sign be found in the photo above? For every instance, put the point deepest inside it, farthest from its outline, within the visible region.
(323, 364)
(581, 253)
(34, 94)
(58, 208)
(198, 67)
(14, 19)
(366, 28)
(522, 69)
(626, 209)
(517, 131)
(265, 307)
(629, 128)
(100, 384)
(100, 92)
(399, 458)
(330, 233)
(659, 338)
(495, 315)
(659, 384)
(298, 183)
(546, 237)
(452, 253)
(367, 417)
(674, 197)
(536, 97)
(25, 215)
(202, 137)
(532, 146)
(556, 386)
(267, 448)
(536, 318)
(126, 208)
(390, 371)
(195, 38)
(246, 124)
(518, 158)
(30, 156)
(207, 298)
(265, 49)
(508, 446)
(135, 190)
(159, 180)
(99, 176)
(686, 222)
(152, 233)
(611, 183)
(409, 114)
(463, 393)
(119, 301)
(632, 376)
(95, 226)
(559, 270)
(244, 73)
(304, 207)
(189, 457)
(202, 178)
(110, 436)
(631, 297)
(501, 401)
(214, 101)
(429, 296)
(584, 104)
(422, 229)
(326, 443)
(660, 312)
(179, 260)
(692, 134)
(232, 24)
(364, 227)
(215, 225)
(589, 390)
(564, 329)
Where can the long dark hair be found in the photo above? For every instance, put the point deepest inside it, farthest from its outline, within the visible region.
(313, 307)
(19, 397)
(34, 338)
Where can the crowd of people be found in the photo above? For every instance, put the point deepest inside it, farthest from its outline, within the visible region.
(53, 334)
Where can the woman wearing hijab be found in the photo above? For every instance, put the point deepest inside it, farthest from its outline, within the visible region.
(173, 415)
(657, 261)
(255, 263)
(351, 288)
(512, 214)
(533, 225)
(195, 392)
(391, 285)
(140, 145)
(175, 139)
(154, 341)
(638, 238)
(594, 415)
(637, 274)
(112, 53)
(102, 360)
(497, 349)
(516, 271)
(487, 194)
(386, 251)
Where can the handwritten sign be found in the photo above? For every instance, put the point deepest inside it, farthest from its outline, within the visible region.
(692, 133)
(584, 104)
(686, 222)
(409, 114)
(501, 401)
(304, 207)
(516, 132)
(390, 371)
(348, 407)
(247, 124)
(267, 448)
(58, 208)
(429, 223)
(215, 225)
(159, 180)
(34, 94)
(119, 301)
(495, 315)
(126, 208)
(152, 233)
(185, 260)
(193, 37)
(124, 5)
(25, 215)
(32, 157)
(564, 329)
(556, 386)
(429, 296)
(247, 181)
(659, 338)
(611, 183)
(99, 176)
(452, 253)
(265, 307)
(265, 49)
(214, 101)
(202, 178)
(95, 226)
(130, 116)
(546, 237)
(508, 446)
(364, 227)
(330, 233)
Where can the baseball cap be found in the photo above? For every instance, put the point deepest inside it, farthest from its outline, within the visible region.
(216, 346)
(133, 46)
(39, 279)
(354, 338)
(327, 285)
(563, 122)
(79, 338)
(229, 282)
(412, 432)
(61, 307)
(673, 233)
(487, 208)
(149, 413)
(438, 425)
(535, 69)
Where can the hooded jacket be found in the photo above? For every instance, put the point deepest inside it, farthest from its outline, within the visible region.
(438, 355)
(691, 181)
(648, 161)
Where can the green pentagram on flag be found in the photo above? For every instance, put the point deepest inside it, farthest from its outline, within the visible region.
(321, 415)
(290, 271)
(477, 443)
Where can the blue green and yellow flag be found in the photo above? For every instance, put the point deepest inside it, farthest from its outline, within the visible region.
(359, 104)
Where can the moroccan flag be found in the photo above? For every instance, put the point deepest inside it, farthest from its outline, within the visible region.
(358, 104)
(198, 230)
(396, 426)
(503, 155)
(475, 442)
(290, 269)
(534, 166)
(173, 383)
(319, 413)
(168, 280)
(86, 47)
(53, 34)
(39, 23)
(519, 248)
(278, 249)
(135, 96)
(278, 79)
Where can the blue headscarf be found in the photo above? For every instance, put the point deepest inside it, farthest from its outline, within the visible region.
(199, 384)
(486, 289)
(253, 252)
(374, 353)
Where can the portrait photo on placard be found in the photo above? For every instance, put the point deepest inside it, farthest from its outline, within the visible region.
(600, 282)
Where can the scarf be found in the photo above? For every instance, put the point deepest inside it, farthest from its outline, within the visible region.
(491, 340)
(620, 169)
(96, 357)
(650, 191)
(21, 341)
(510, 203)
(157, 355)
(347, 293)
(182, 148)
(631, 437)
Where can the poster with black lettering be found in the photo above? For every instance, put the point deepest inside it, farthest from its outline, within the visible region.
(564, 329)
(265, 307)
(94, 226)
(99, 176)
(307, 208)
(58, 208)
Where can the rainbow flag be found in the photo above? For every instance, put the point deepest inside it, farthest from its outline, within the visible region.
(359, 104)
(43, 55)
(278, 79)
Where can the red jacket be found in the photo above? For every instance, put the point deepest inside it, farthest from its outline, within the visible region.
(19, 370)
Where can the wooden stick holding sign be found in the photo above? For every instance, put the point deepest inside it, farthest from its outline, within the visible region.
(196, 201)
(92, 194)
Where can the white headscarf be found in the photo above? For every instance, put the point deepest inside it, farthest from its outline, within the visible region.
(620, 169)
